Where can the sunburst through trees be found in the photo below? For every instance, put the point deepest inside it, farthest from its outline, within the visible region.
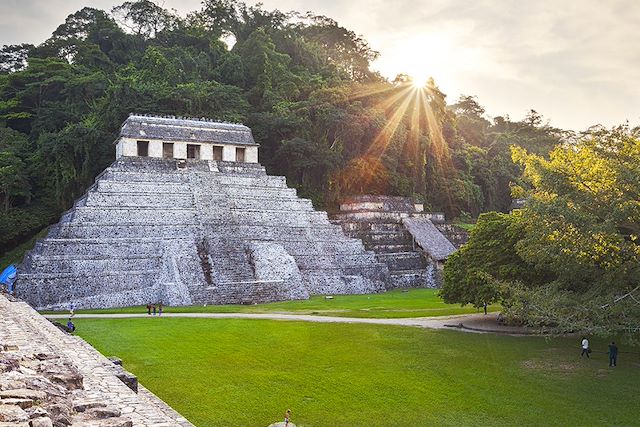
(414, 117)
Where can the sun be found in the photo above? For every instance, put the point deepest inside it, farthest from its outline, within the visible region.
(419, 81)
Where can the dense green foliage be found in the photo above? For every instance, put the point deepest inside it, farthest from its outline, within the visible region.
(570, 260)
(301, 82)
(248, 372)
(392, 304)
(474, 273)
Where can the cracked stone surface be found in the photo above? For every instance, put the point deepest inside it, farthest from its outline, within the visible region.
(49, 378)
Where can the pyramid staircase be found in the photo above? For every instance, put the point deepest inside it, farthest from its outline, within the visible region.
(379, 221)
(148, 230)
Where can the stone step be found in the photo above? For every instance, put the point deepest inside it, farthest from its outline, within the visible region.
(144, 187)
(325, 232)
(93, 276)
(250, 181)
(356, 226)
(108, 288)
(384, 237)
(310, 247)
(145, 177)
(332, 282)
(409, 278)
(235, 167)
(158, 200)
(144, 231)
(82, 265)
(138, 215)
(240, 292)
(99, 247)
(381, 248)
(277, 217)
(265, 232)
(403, 260)
(289, 204)
(384, 217)
(329, 261)
(251, 191)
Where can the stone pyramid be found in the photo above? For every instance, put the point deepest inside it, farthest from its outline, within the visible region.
(192, 232)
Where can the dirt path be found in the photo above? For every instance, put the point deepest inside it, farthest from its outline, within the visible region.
(438, 322)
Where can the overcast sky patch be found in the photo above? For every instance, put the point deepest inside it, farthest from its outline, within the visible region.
(577, 61)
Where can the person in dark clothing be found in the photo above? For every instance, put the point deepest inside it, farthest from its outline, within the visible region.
(153, 308)
(70, 325)
(485, 308)
(149, 309)
(613, 354)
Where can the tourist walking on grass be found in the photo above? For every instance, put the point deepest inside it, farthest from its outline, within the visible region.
(287, 417)
(585, 348)
(613, 354)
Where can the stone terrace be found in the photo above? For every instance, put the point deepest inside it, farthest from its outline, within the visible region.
(206, 233)
(50, 378)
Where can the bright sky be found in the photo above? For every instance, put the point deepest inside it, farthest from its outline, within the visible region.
(577, 62)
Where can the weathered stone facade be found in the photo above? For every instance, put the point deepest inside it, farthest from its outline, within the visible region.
(403, 237)
(50, 378)
(192, 232)
(184, 138)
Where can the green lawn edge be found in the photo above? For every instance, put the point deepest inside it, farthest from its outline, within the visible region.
(392, 304)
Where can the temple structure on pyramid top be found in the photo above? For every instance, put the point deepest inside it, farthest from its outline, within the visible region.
(183, 138)
(186, 215)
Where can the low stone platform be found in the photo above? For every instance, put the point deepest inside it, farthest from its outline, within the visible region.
(281, 424)
(49, 378)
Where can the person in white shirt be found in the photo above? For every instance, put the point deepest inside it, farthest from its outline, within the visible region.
(585, 348)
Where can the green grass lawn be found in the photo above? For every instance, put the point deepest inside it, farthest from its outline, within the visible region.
(392, 304)
(232, 372)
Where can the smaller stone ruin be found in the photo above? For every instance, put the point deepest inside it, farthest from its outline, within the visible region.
(412, 243)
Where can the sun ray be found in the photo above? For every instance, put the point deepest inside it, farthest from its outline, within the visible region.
(382, 140)
(370, 90)
(400, 95)
(414, 148)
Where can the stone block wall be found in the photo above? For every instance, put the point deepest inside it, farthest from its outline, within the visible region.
(381, 223)
(150, 231)
(50, 378)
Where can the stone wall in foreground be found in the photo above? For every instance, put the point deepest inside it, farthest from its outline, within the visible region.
(49, 378)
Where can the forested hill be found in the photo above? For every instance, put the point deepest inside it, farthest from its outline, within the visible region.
(301, 82)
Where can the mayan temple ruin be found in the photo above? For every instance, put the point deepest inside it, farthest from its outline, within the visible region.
(186, 215)
(413, 244)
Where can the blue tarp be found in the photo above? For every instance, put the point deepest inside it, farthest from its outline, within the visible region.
(8, 276)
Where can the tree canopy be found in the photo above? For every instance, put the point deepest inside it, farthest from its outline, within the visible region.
(302, 82)
(573, 252)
